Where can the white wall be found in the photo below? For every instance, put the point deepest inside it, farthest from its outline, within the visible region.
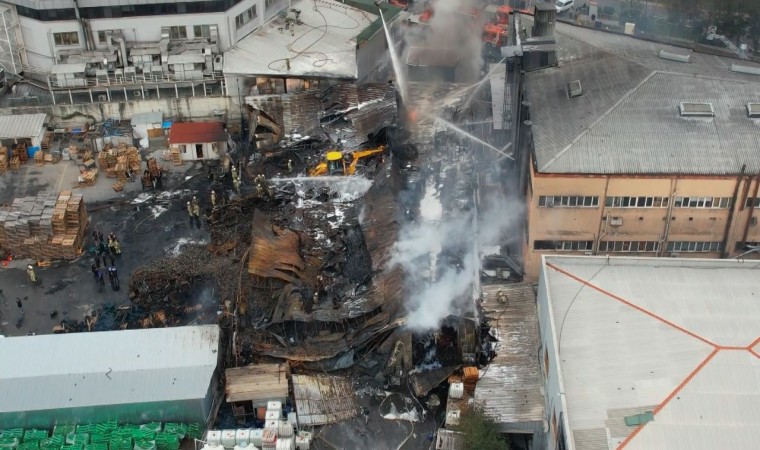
(555, 405)
(188, 152)
(38, 39)
(148, 28)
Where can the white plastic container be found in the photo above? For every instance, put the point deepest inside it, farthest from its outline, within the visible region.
(274, 406)
(255, 435)
(273, 415)
(293, 419)
(228, 438)
(214, 437)
(272, 425)
(303, 442)
(243, 437)
(285, 429)
(452, 417)
(456, 390)
(246, 447)
(285, 444)
(212, 447)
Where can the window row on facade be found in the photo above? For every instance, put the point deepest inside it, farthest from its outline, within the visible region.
(572, 201)
(752, 202)
(576, 201)
(630, 246)
(109, 11)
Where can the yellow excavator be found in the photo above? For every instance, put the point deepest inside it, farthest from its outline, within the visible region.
(337, 163)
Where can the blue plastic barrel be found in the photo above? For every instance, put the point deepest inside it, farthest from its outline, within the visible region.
(31, 151)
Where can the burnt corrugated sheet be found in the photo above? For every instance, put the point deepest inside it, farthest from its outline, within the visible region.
(301, 112)
(274, 251)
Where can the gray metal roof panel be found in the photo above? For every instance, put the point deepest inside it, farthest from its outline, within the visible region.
(110, 367)
(21, 125)
(611, 128)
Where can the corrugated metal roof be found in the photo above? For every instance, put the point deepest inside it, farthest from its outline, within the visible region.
(626, 121)
(330, 52)
(197, 132)
(510, 389)
(500, 95)
(21, 125)
(624, 343)
(323, 399)
(107, 368)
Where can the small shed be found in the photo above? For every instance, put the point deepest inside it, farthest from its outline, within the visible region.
(148, 125)
(27, 128)
(198, 140)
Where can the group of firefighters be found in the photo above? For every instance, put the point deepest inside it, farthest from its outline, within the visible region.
(106, 253)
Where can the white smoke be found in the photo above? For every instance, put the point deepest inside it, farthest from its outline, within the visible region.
(434, 296)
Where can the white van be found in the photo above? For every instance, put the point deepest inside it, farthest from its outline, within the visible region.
(563, 5)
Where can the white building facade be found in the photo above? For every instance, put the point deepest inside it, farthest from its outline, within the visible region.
(48, 28)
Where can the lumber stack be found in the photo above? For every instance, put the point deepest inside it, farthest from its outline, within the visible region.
(3, 160)
(48, 226)
(133, 159)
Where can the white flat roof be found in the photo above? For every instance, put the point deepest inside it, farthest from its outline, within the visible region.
(61, 371)
(68, 68)
(677, 337)
(327, 51)
(21, 125)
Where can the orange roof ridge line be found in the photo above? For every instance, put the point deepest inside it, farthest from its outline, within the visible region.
(757, 355)
(671, 396)
(731, 347)
(753, 344)
(633, 305)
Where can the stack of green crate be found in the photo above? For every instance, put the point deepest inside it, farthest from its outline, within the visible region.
(86, 428)
(143, 435)
(194, 431)
(145, 444)
(52, 443)
(63, 430)
(31, 445)
(10, 438)
(152, 426)
(96, 446)
(33, 434)
(73, 447)
(180, 429)
(167, 441)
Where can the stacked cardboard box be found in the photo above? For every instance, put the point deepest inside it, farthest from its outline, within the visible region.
(49, 226)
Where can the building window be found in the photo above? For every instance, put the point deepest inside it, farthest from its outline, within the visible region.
(202, 31)
(573, 201)
(745, 246)
(752, 202)
(636, 202)
(629, 246)
(70, 38)
(103, 35)
(153, 9)
(269, 3)
(178, 32)
(566, 246)
(702, 202)
(694, 246)
(244, 18)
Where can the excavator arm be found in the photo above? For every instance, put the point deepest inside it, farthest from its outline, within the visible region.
(359, 154)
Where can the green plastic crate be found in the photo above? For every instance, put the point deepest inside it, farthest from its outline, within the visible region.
(63, 430)
(12, 432)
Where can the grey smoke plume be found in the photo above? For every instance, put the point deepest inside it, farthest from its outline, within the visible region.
(455, 33)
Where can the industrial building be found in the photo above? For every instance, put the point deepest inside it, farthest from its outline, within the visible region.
(131, 376)
(650, 353)
(45, 32)
(638, 148)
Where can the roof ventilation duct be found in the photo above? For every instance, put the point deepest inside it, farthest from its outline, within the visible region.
(753, 110)
(574, 89)
(674, 56)
(745, 69)
(693, 109)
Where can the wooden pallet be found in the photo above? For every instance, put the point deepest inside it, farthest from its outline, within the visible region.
(15, 163)
(176, 158)
(39, 158)
(118, 186)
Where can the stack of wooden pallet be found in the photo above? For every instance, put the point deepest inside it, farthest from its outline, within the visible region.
(49, 226)
(3, 159)
(88, 177)
(133, 159)
(45, 144)
(15, 163)
(176, 157)
(20, 152)
(39, 158)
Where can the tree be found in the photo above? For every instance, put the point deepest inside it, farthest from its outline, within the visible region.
(479, 431)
